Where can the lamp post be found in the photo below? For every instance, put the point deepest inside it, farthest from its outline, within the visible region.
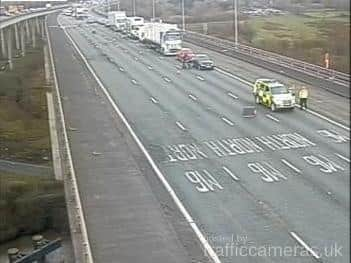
(183, 16)
(153, 9)
(235, 11)
(134, 8)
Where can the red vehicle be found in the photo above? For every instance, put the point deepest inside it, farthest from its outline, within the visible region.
(185, 55)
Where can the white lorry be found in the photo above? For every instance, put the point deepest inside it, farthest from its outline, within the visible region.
(80, 12)
(166, 38)
(133, 26)
(116, 20)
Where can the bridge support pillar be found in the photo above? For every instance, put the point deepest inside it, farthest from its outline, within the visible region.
(3, 46)
(23, 40)
(27, 30)
(34, 40)
(9, 49)
(37, 25)
(16, 36)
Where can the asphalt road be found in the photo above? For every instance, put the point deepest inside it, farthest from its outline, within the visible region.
(257, 187)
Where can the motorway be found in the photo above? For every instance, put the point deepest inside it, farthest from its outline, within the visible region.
(276, 181)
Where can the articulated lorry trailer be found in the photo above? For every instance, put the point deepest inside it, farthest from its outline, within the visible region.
(117, 20)
(166, 38)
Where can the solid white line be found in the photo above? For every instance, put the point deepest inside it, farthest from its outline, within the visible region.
(189, 219)
(233, 76)
(227, 121)
(272, 118)
(307, 110)
(302, 243)
(232, 95)
(154, 100)
(342, 157)
(229, 172)
(200, 78)
(180, 125)
(291, 166)
(83, 228)
(192, 97)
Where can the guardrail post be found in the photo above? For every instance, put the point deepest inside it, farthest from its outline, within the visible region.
(23, 41)
(3, 47)
(16, 36)
(9, 48)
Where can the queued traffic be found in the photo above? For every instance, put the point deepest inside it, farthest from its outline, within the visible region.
(167, 39)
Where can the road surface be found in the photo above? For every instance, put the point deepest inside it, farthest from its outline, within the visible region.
(273, 188)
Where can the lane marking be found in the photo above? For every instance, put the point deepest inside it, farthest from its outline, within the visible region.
(232, 95)
(230, 173)
(229, 122)
(291, 166)
(272, 118)
(180, 125)
(233, 76)
(302, 243)
(154, 100)
(83, 227)
(136, 59)
(166, 79)
(160, 175)
(338, 124)
(134, 82)
(121, 69)
(192, 97)
(200, 78)
(342, 157)
(150, 67)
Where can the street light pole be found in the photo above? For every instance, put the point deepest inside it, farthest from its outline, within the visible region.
(133, 4)
(153, 9)
(183, 16)
(235, 6)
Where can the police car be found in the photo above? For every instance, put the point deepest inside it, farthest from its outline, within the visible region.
(273, 94)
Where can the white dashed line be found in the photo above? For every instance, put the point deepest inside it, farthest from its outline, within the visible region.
(291, 166)
(134, 81)
(181, 126)
(342, 157)
(166, 79)
(307, 110)
(136, 59)
(232, 95)
(227, 121)
(121, 69)
(154, 100)
(230, 173)
(150, 67)
(302, 243)
(272, 118)
(209, 250)
(200, 78)
(192, 97)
